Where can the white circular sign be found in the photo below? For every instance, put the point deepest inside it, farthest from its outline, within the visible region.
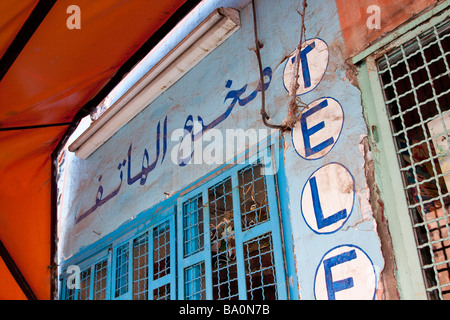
(345, 273)
(327, 198)
(318, 128)
(312, 66)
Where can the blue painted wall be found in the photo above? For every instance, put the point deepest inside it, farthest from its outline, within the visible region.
(99, 198)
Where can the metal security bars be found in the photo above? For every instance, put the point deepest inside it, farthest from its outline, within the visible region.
(85, 284)
(150, 269)
(194, 282)
(92, 283)
(223, 242)
(193, 225)
(121, 278)
(416, 90)
(220, 240)
(239, 255)
(260, 268)
(253, 195)
(100, 280)
(140, 267)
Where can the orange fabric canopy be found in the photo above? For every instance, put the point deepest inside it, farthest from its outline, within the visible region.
(55, 74)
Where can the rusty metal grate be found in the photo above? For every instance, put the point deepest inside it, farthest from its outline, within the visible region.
(416, 88)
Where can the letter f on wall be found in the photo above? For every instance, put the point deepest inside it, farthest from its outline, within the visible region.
(336, 286)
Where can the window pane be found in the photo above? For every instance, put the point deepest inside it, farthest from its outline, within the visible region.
(415, 80)
(223, 244)
(193, 225)
(253, 196)
(161, 250)
(140, 267)
(69, 294)
(162, 293)
(194, 282)
(121, 270)
(85, 284)
(100, 272)
(260, 268)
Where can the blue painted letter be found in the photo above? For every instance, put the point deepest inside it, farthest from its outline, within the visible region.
(305, 66)
(335, 286)
(308, 132)
(304, 61)
(321, 221)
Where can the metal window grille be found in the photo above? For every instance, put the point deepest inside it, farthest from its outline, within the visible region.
(85, 285)
(69, 293)
(237, 256)
(193, 225)
(194, 282)
(162, 293)
(223, 243)
(260, 268)
(140, 267)
(161, 250)
(100, 280)
(121, 270)
(241, 256)
(416, 88)
(253, 196)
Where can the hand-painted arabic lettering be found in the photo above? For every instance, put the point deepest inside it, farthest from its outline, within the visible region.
(99, 200)
(194, 132)
(141, 176)
(146, 167)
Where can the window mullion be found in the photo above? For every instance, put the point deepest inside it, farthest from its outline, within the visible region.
(276, 235)
(238, 237)
(129, 294)
(109, 276)
(173, 258)
(150, 266)
(180, 251)
(207, 245)
(91, 282)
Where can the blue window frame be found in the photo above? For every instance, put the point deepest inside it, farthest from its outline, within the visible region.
(93, 279)
(144, 263)
(219, 240)
(230, 245)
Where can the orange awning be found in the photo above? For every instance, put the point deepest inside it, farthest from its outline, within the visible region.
(49, 80)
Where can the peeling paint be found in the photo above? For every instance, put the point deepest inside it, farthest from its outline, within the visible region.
(388, 288)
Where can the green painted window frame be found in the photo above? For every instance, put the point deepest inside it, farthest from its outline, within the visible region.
(410, 281)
